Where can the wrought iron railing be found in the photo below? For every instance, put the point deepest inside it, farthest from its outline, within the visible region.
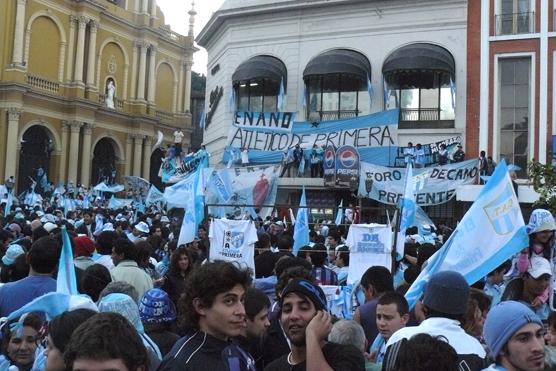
(43, 84)
(419, 114)
(515, 23)
(332, 115)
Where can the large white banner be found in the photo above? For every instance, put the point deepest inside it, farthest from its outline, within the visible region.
(432, 185)
(369, 245)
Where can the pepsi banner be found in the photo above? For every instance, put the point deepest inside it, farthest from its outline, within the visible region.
(433, 185)
(374, 136)
(329, 166)
(347, 167)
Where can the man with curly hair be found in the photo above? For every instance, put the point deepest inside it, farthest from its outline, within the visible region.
(212, 307)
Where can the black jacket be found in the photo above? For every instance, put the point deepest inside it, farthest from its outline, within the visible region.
(202, 351)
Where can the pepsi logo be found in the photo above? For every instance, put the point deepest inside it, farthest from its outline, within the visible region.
(348, 158)
(329, 158)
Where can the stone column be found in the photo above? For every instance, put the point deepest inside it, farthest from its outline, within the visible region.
(92, 53)
(145, 7)
(73, 151)
(142, 71)
(127, 164)
(80, 54)
(19, 34)
(86, 155)
(134, 71)
(64, 156)
(147, 149)
(187, 87)
(152, 80)
(137, 144)
(71, 47)
(153, 11)
(12, 141)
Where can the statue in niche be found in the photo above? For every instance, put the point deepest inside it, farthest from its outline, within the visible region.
(110, 92)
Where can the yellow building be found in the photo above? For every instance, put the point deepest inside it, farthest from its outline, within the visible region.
(59, 59)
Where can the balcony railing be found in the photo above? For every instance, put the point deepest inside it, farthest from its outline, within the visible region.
(332, 115)
(43, 84)
(168, 116)
(118, 103)
(515, 23)
(419, 114)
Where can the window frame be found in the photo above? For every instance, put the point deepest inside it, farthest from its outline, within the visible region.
(237, 85)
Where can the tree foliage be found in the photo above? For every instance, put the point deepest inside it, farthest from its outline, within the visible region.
(198, 82)
(543, 178)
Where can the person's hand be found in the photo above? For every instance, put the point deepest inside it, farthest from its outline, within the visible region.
(320, 326)
(537, 302)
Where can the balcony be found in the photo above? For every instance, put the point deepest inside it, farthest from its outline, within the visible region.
(118, 103)
(415, 118)
(332, 115)
(43, 84)
(515, 23)
(163, 115)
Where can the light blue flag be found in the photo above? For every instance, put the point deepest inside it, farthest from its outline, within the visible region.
(490, 233)
(202, 119)
(453, 92)
(304, 98)
(281, 97)
(232, 100)
(340, 213)
(421, 217)
(200, 193)
(370, 90)
(9, 203)
(407, 209)
(182, 193)
(154, 196)
(113, 203)
(301, 229)
(66, 283)
(188, 189)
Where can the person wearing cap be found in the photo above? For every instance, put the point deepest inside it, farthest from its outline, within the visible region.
(531, 287)
(307, 323)
(515, 337)
(445, 303)
(458, 155)
(138, 231)
(158, 315)
(83, 249)
(13, 251)
(541, 229)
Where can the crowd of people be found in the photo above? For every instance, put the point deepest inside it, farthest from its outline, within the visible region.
(146, 303)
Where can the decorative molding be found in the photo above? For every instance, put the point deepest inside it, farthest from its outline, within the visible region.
(94, 25)
(14, 113)
(82, 21)
(75, 126)
(88, 128)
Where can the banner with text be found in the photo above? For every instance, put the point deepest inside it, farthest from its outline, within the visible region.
(433, 185)
(374, 136)
(239, 191)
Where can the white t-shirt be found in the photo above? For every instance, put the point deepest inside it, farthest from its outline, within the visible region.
(244, 157)
(233, 240)
(178, 136)
(369, 245)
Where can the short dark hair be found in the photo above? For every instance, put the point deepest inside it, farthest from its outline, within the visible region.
(423, 352)
(255, 301)
(95, 279)
(143, 251)
(61, 327)
(287, 275)
(335, 236)
(125, 247)
(318, 255)
(105, 242)
(107, 336)
(344, 254)
(392, 297)
(44, 255)
(205, 284)
(379, 277)
(286, 262)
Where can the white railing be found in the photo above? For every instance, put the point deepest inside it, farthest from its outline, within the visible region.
(43, 84)
(118, 103)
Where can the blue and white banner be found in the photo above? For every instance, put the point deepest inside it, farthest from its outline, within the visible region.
(228, 191)
(432, 185)
(491, 232)
(154, 196)
(374, 136)
(173, 169)
(103, 187)
(369, 245)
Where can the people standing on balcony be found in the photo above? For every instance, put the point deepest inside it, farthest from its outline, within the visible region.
(458, 155)
(244, 156)
(287, 162)
(298, 157)
(315, 162)
(442, 156)
(482, 163)
(419, 156)
(409, 153)
(491, 165)
(178, 137)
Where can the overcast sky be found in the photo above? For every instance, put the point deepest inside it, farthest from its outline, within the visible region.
(175, 14)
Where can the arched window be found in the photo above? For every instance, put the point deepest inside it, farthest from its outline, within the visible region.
(336, 84)
(420, 80)
(257, 84)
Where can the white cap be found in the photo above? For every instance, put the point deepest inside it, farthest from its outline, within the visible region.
(539, 266)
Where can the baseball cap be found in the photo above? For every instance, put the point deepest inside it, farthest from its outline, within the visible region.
(12, 253)
(541, 220)
(539, 266)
